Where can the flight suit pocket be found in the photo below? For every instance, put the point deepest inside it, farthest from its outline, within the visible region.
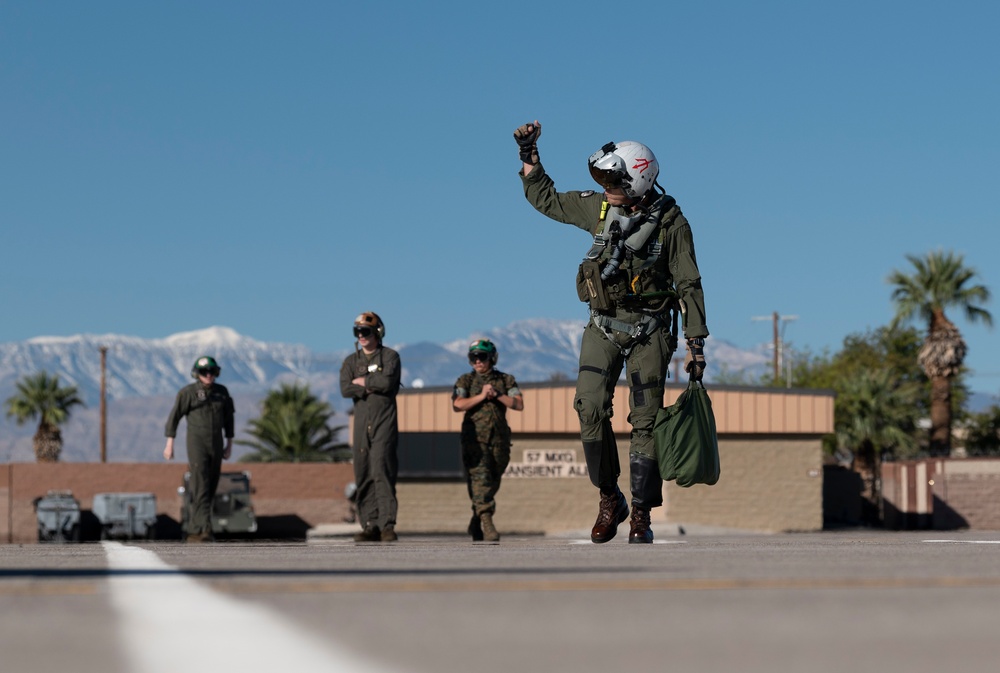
(590, 287)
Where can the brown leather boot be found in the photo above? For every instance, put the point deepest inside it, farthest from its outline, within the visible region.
(490, 533)
(388, 534)
(612, 511)
(640, 532)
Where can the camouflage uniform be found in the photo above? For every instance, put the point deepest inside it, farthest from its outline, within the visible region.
(376, 432)
(209, 412)
(485, 436)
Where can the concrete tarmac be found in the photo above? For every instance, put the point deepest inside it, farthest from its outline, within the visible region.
(852, 600)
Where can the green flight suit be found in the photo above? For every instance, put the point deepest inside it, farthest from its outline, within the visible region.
(376, 432)
(209, 411)
(601, 354)
(485, 436)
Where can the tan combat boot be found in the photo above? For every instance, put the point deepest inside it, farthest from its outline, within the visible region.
(369, 534)
(475, 529)
(490, 533)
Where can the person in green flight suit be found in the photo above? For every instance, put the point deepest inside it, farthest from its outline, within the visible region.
(640, 271)
(484, 395)
(209, 411)
(370, 377)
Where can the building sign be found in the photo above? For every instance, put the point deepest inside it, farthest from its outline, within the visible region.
(540, 463)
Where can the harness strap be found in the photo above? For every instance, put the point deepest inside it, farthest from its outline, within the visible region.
(639, 388)
(637, 332)
(605, 323)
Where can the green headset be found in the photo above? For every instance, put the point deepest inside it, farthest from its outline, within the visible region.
(484, 346)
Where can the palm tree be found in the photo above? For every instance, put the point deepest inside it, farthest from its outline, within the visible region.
(40, 396)
(940, 281)
(876, 414)
(294, 428)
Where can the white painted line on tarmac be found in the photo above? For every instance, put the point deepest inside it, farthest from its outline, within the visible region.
(170, 623)
(968, 541)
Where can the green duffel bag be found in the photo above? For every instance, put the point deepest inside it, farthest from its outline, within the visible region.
(687, 447)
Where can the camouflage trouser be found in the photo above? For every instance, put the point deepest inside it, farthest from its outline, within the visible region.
(485, 463)
(601, 363)
(205, 464)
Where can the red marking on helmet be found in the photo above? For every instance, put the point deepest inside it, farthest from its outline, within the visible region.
(641, 164)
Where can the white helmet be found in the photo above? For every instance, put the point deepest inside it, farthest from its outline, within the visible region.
(628, 164)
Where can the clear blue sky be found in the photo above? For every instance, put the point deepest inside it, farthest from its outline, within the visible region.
(280, 167)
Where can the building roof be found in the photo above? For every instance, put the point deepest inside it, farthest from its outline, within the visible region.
(548, 409)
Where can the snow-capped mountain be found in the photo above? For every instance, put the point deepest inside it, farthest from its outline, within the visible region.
(143, 367)
(143, 375)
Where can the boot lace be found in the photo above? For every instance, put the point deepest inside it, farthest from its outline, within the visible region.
(606, 511)
(640, 518)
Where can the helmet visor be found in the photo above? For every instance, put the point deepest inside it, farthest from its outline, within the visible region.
(609, 178)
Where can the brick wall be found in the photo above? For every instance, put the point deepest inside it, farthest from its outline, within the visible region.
(287, 498)
(967, 494)
(766, 484)
(5, 509)
(942, 494)
(525, 505)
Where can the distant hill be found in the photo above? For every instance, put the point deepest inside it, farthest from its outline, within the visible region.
(980, 402)
(143, 375)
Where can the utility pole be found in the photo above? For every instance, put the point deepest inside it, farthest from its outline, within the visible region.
(776, 321)
(777, 347)
(104, 408)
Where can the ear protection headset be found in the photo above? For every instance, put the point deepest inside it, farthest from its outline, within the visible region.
(205, 362)
(485, 346)
(371, 319)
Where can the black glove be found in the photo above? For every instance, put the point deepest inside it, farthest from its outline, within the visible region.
(526, 137)
(694, 362)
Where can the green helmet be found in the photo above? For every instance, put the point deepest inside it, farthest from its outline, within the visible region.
(484, 346)
(205, 362)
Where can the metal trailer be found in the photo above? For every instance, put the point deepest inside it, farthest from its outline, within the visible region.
(126, 515)
(232, 507)
(58, 514)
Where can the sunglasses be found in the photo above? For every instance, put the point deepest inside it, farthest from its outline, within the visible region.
(365, 332)
(209, 371)
(478, 357)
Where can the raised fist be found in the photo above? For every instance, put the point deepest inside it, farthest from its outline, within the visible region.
(526, 137)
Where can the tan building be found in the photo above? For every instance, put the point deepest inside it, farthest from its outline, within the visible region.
(769, 445)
